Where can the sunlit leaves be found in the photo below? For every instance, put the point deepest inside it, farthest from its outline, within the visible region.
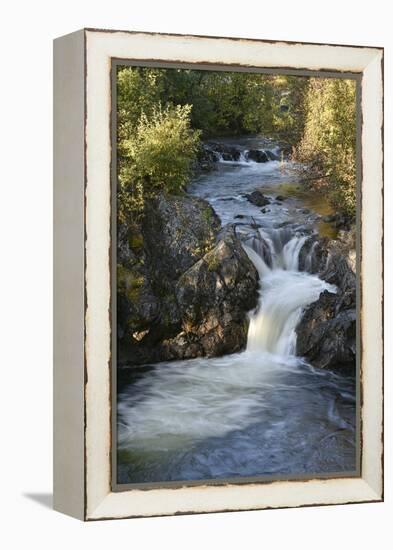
(157, 156)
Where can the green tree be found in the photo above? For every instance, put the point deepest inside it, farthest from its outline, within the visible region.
(328, 145)
(289, 107)
(139, 90)
(224, 103)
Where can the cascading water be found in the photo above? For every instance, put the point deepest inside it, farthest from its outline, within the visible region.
(284, 293)
(260, 412)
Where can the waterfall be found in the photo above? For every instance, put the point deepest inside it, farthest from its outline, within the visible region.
(291, 252)
(243, 158)
(284, 293)
(258, 261)
(309, 258)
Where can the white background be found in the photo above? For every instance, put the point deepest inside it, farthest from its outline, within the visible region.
(28, 28)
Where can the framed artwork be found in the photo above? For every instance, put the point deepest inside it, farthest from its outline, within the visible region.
(218, 333)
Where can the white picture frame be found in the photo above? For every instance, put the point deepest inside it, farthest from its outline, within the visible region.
(82, 257)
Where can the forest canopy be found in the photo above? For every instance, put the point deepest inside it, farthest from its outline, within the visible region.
(163, 114)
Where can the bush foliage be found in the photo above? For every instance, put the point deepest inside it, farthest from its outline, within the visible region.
(156, 156)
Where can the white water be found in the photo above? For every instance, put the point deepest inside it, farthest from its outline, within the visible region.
(199, 399)
(284, 293)
(259, 412)
(284, 296)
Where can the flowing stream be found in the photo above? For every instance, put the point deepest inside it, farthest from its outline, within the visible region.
(262, 412)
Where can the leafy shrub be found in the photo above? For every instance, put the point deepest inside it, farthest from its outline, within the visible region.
(157, 157)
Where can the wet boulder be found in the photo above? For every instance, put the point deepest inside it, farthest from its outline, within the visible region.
(226, 152)
(178, 231)
(257, 155)
(271, 155)
(180, 242)
(313, 255)
(326, 334)
(232, 156)
(152, 254)
(214, 298)
(206, 159)
(257, 198)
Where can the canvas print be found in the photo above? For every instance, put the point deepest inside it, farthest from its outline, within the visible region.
(236, 307)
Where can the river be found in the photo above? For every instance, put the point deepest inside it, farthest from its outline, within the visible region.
(263, 412)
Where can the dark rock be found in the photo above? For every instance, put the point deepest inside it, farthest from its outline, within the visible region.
(206, 160)
(343, 222)
(340, 221)
(271, 156)
(313, 255)
(330, 218)
(177, 235)
(214, 297)
(283, 224)
(257, 155)
(227, 152)
(147, 309)
(240, 216)
(258, 198)
(326, 335)
(233, 156)
(259, 244)
(184, 227)
(206, 166)
(265, 210)
(280, 198)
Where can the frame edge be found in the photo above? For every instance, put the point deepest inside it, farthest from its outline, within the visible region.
(69, 265)
(109, 506)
